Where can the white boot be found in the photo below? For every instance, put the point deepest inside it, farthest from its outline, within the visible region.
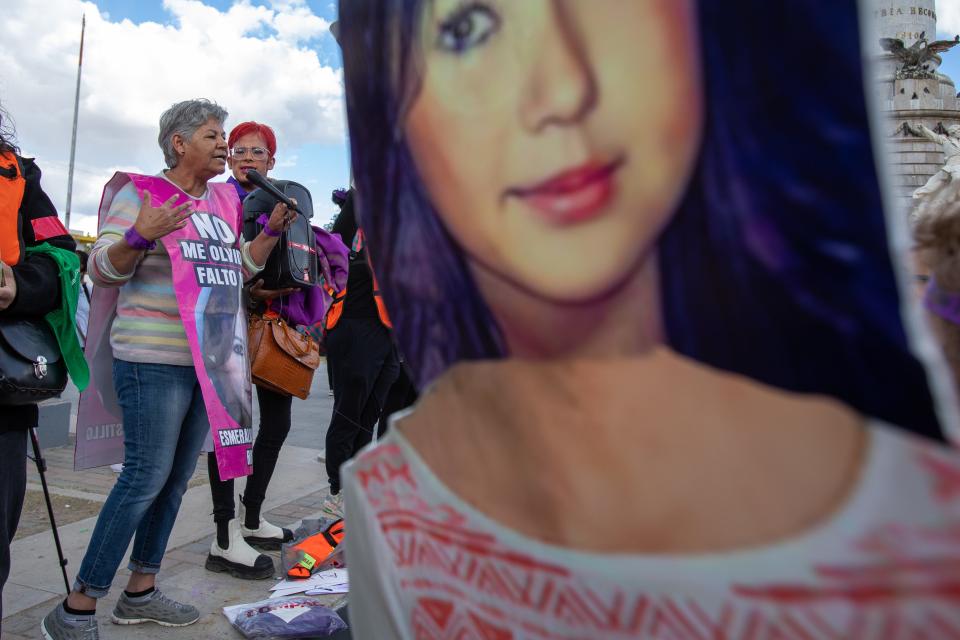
(266, 536)
(239, 559)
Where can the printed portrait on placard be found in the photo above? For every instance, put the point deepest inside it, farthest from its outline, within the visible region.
(637, 260)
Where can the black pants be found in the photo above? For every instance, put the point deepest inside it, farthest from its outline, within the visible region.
(274, 427)
(365, 365)
(13, 486)
(402, 395)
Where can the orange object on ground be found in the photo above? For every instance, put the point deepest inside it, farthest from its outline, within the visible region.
(315, 549)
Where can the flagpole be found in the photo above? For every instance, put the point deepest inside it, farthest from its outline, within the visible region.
(76, 111)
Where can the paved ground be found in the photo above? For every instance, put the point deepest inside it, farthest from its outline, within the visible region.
(35, 584)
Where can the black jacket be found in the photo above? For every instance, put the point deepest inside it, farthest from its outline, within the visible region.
(37, 277)
(359, 302)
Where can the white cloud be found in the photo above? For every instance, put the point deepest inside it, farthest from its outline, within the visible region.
(948, 16)
(295, 22)
(253, 60)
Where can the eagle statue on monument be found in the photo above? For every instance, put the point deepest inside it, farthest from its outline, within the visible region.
(916, 57)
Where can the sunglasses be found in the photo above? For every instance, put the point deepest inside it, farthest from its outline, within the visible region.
(258, 153)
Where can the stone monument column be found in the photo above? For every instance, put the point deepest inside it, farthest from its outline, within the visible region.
(925, 97)
(905, 19)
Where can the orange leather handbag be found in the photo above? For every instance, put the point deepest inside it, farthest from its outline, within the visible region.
(281, 358)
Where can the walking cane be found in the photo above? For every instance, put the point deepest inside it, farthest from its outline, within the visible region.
(42, 468)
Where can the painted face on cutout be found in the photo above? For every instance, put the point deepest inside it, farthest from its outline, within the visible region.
(552, 166)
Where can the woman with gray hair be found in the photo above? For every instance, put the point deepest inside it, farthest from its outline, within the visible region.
(155, 371)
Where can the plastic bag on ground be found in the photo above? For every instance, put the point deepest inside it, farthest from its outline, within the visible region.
(279, 618)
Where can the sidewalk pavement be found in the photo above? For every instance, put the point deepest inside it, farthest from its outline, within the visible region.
(35, 585)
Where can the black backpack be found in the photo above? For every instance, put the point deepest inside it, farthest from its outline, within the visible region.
(293, 262)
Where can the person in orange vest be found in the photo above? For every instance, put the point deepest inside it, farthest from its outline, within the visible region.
(30, 287)
(360, 354)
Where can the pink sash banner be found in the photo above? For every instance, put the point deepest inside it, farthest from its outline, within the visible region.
(206, 262)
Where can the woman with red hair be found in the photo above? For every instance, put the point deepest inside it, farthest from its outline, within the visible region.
(251, 146)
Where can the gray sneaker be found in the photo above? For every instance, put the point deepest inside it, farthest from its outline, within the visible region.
(60, 625)
(155, 607)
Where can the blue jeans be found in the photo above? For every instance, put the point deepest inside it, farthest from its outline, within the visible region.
(164, 427)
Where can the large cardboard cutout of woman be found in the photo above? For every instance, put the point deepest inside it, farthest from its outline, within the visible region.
(636, 255)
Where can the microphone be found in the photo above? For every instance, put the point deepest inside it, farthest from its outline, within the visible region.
(257, 179)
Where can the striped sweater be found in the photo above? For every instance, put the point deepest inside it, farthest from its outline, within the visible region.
(147, 327)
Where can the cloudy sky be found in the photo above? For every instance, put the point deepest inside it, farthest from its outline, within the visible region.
(948, 26)
(268, 60)
(275, 62)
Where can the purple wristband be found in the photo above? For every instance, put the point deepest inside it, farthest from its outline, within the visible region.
(264, 219)
(137, 241)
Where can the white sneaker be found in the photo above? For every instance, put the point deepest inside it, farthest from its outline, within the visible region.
(333, 505)
(239, 559)
(266, 536)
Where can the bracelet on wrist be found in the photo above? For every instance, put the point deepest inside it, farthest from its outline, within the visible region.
(137, 241)
(265, 221)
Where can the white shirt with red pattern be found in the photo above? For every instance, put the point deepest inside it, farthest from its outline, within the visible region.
(424, 564)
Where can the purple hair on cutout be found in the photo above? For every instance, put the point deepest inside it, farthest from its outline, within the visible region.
(775, 265)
